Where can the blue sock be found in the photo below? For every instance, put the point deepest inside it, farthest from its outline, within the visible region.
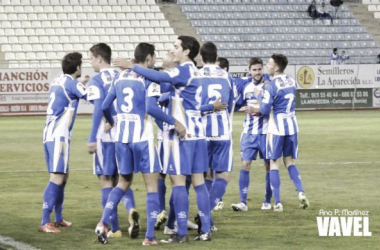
(105, 192)
(181, 208)
(208, 184)
(243, 185)
(114, 221)
(128, 200)
(171, 214)
(268, 190)
(217, 191)
(59, 203)
(161, 193)
(203, 202)
(111, 205)
(152, 210)
(295, 177)
(49, 200)
(275, 184)
(114, 217)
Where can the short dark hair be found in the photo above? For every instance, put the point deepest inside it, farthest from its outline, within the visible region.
(209, 52)
(281, 61)
(70, 62)
(142, 51)
(335, 49)
(254, 61)
(102, 50)
(190, 43)
(223, 63)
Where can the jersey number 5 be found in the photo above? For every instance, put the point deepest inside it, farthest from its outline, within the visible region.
(213, 91)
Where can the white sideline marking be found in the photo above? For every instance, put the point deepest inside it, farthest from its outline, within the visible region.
(8, 241)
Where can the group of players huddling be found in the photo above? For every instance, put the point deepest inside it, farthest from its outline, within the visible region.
(193, 109)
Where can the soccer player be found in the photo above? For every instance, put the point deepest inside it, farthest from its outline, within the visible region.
(65, 92)
(162, 135)
(223, 63)
(101, 144)
(189, 152)
(278, 102)
(217, 103)
(135, 152)
(254, 134)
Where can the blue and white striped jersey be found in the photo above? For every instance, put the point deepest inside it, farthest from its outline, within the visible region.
(186, 99)
(216, 83)
(185, 95)
(257, 123)
(279, 102)
(97, 89)
(64, 95)
(131, 91)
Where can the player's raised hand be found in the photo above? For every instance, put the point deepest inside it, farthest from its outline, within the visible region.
(219, 105)
(122, 63)
(91, 147)
(180, 129)
(107, 127)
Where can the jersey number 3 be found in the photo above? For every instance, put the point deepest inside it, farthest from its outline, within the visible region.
(128, 100)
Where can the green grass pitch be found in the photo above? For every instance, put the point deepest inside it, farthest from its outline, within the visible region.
(339, 163)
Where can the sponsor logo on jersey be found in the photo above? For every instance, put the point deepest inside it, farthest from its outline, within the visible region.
(305, 77)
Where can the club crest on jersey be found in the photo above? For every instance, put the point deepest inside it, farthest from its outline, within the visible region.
(206, 72)
(249, 95)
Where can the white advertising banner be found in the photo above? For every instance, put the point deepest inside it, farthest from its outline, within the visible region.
(338, 76)
(25, 91)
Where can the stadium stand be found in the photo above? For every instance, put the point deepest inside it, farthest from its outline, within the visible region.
(373, 6)
(37, 33)
(246, 28)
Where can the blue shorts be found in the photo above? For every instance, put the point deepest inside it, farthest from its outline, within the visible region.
(57, 155)
(282, 145)
(187, 157)
(137, 157)
(220, 155)
(105, 159)
(251, 144)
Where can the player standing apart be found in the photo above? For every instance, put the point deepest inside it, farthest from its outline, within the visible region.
(64, 94)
